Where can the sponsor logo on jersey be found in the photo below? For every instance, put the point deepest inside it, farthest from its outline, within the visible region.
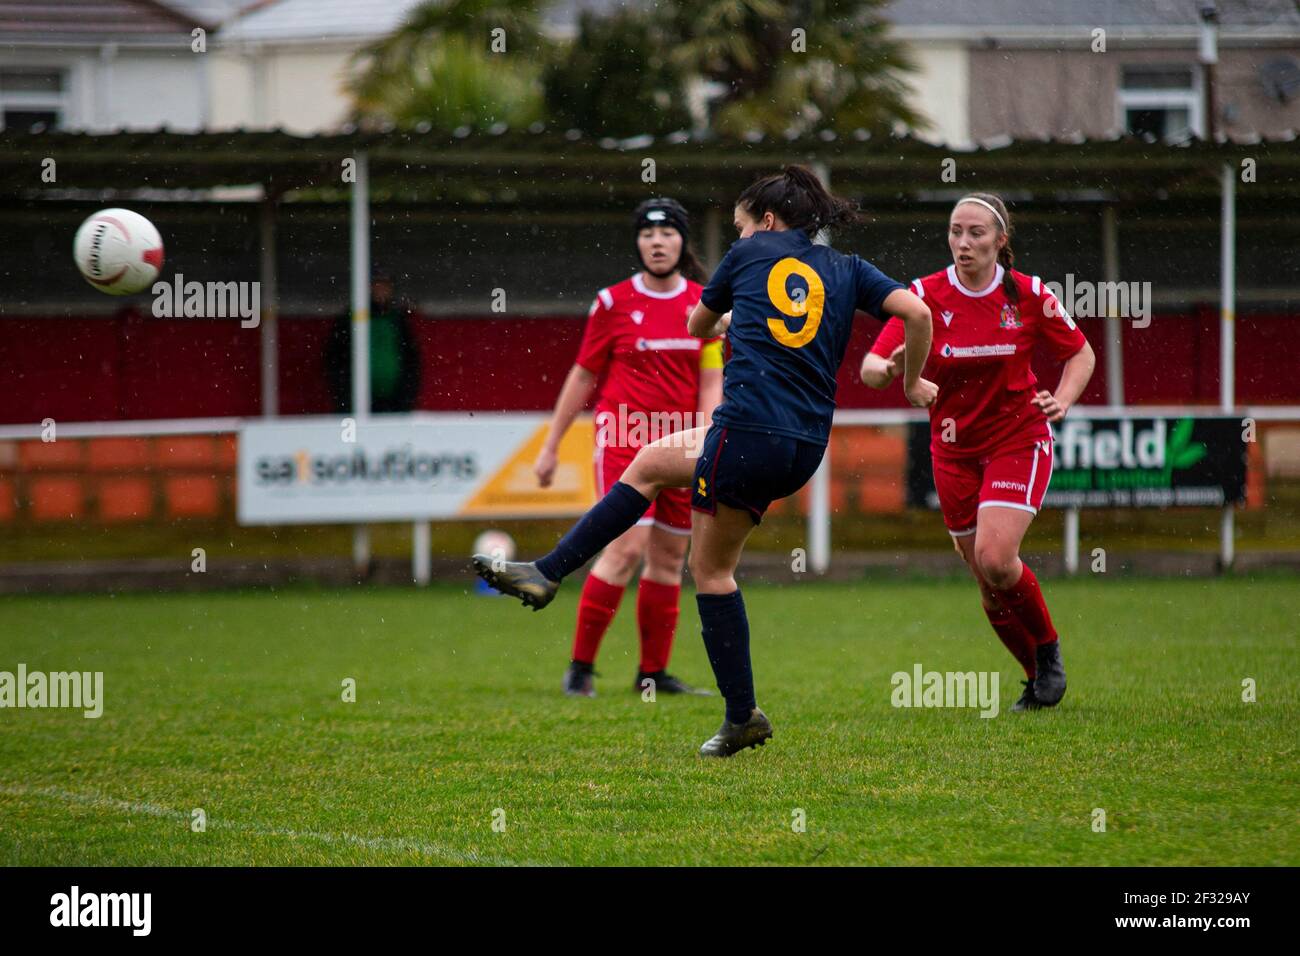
(947, 317)
(660, 345)
(1010, 317)
(977, 351)
(637, 316)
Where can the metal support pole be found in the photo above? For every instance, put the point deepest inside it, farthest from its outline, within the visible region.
(269, 320)
(712, 238)
(1071, 545)
(819, 510)
(1114, 322)
(361, 329)
(819, 517)
(1228, 291)
(1228, 339)
(361, 289)
(421, 546)
(361, 549)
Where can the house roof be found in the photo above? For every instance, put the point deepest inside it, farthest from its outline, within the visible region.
(98, 21)
(342, 20)
(272, 21)
(215, 12)
(1257, 18)
(287, 21)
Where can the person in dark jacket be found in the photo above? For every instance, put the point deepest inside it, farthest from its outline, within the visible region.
(394, 354)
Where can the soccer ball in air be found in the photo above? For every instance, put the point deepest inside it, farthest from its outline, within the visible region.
(118, 251)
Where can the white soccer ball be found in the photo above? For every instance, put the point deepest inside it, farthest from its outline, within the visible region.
(118, 251)
(495, 544)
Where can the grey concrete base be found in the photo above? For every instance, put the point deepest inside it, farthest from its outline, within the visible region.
(175, 575)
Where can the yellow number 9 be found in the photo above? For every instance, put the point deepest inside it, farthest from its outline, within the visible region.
(810, 309)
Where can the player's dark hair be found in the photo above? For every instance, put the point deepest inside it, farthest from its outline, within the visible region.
(689, 265)
(797, 197)
(1006, 256)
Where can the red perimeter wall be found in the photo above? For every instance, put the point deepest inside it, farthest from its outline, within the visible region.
(141, 368)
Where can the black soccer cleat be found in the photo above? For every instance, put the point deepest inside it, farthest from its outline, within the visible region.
(1027, 700)
(1049, 685)
(578, 680)
(519, 579)
(666, 683)
(733, 738)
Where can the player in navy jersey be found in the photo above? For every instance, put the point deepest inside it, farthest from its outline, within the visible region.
(791, 305)
(991, 444)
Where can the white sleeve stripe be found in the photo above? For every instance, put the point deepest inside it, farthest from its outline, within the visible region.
(920, 289)
(1036, 285)
(606, 298)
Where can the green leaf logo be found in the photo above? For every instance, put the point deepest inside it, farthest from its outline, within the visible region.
(1181, 451)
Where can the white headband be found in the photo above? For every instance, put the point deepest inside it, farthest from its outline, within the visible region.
(988, 206)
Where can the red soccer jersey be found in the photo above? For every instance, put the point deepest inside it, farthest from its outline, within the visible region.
(636, 342)
(979, 359)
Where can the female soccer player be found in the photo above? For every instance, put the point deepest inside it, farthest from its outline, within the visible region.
(792, 304)
(650, 373)
(989, 436)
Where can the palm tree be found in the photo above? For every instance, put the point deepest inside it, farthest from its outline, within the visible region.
(848, 75)
(444, 66)
(617, 78)
(634, 71)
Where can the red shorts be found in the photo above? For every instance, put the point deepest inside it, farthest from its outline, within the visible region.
(670, 511)
(1007, 479)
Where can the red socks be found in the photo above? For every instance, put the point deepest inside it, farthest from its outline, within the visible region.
(1025, 600)
(656, 617)
(1015, 638)
(596, 609)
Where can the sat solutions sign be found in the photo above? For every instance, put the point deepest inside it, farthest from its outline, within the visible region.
(406, 468)
(1123, 463)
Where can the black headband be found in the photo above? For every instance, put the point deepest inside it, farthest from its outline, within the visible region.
(666, 214)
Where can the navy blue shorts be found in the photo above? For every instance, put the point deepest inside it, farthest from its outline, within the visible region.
(749, 470)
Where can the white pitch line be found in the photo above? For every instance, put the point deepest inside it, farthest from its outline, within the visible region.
(402, 844)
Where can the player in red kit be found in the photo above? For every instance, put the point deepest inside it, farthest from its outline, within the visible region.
(991, 444)
(651, 379)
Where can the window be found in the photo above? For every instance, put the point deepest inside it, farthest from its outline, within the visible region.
(1163, 101)
(28, 97)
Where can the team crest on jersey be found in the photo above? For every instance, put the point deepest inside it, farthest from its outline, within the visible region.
(637, 316)
(1010, 318)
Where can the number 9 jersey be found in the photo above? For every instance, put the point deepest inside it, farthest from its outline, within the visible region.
(792, 304)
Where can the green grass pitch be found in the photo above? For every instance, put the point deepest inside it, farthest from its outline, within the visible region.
(232, 703)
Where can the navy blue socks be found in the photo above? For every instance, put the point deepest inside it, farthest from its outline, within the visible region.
(620, 509)
(726, 639)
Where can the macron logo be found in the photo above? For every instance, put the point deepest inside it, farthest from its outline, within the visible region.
(103, 909)
(947, 318)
